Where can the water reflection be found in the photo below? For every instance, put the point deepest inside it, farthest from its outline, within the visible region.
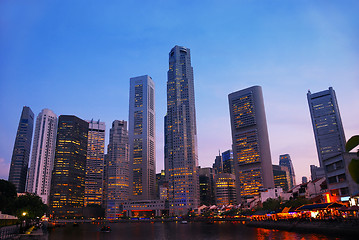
(176, 230)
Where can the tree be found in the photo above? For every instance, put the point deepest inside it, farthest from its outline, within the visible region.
(353, 166)
(7, 196)
(272, 204)
(29, 205)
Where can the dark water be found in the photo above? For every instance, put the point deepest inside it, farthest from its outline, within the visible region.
(173, 230)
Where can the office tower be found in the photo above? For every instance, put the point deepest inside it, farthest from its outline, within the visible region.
(43, 154)
(330, 141)
(105, 181)
(316, 172)
(21, 153)
(327, 124)
(228, 164)
(95, 163)
(251, 152)
(68, 175)
(281, 177)
(225, 189)
(161, 186)
(117, 169)
(181, 158)
(142, 141)
(218, 164)
(304, 180)
(285, 160)
(206, 186)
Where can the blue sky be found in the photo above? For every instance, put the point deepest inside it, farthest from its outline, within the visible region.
(76, 57)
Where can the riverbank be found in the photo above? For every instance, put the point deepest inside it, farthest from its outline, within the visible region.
(327, 227)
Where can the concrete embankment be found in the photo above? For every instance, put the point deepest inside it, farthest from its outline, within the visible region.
(324, 227)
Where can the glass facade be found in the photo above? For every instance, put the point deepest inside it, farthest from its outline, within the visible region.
(117, 169)
(95, 163)
(21, 153)
(181, 158)
(142, 138)
(250, 143)
(68, 175)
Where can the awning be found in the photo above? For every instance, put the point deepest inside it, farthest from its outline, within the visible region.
(320, 206)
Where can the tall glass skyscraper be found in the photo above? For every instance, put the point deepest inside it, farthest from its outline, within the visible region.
(228, 164)
(142, 138)
(43, 154)
(21, 153)
(181, 158)
(117, 169)
(95, 163)
(330, 141)
(251, 152)
(68, 175)
(327, 124)
(284, 160)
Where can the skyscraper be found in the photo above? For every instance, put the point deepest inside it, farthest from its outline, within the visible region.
(21, 153)
(95, 163)
(225, 189)
(284, 160)
(251, 152)
(330, 141)
(43, 154)
(228, 165)
(68, 175)
(281, 177)
(117, 169)
(218, 164)
(181, 158)
(327, 124)
(142, 141)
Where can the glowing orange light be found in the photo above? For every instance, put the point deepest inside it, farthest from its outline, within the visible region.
(327, 196)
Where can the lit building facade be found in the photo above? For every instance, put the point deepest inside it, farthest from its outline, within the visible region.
(95, 163)
(225, 189)
(21, 152)
(117, 169)
(181, 157)
(327, 124)
(286, 161)
(250, 143)
(281, 177)
(142, 139)
(228, 164)
(43, 154)
(68, 175)
(330, 141)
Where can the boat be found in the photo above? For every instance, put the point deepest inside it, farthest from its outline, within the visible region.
(75, 224)
(105, 229)
(184, 222)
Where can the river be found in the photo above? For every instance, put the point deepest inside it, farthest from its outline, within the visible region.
(176, 230)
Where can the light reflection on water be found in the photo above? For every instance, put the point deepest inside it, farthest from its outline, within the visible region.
(176, 230)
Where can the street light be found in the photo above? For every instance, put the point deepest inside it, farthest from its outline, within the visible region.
(24, 214)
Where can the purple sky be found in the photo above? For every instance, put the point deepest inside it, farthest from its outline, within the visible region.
(77, 58)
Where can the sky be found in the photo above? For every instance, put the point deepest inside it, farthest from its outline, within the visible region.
(76, 58)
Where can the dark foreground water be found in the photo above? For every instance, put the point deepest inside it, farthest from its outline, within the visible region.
(173, 230)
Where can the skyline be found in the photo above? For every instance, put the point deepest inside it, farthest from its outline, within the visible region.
(284, 47)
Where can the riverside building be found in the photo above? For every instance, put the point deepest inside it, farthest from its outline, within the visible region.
(181, 157)
(330, 141)
(95, 163)
(21, 153)
(117, 170)
(43, 154)
(142, 139)
(68, 175)
(251, 152)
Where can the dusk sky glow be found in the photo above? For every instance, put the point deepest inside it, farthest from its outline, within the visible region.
(77, 58)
